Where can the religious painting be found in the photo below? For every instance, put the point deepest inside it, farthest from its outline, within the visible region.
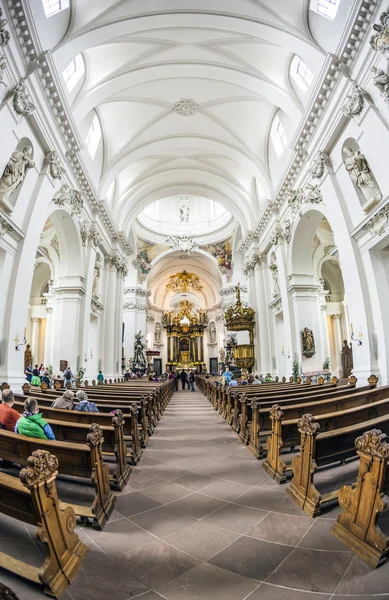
(146, 253)
(222, 251)
(63, 365)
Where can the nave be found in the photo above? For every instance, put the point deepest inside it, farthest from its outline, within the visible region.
(199, 520)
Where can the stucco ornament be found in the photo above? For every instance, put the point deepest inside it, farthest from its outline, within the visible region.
(4, 34)
(3, 66)
(15, 171)
(317, 167)
(182, 242)
(54, 163)
(381, 82)
(186, 107)
(250, 263)
(355, 101)
(380, 40)
(21, 101)
(294, 198)
(360, 173)
(96, 276)
(312, 194)
(70, 196)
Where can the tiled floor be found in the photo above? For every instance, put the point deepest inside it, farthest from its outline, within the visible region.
(200, 520)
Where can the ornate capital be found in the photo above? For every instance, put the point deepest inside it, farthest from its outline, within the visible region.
(250, 263)
(70, 196)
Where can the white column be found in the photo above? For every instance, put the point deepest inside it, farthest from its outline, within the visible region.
(290, 345)
(49, 344)
(338, 344)
(67, 343)
(34, 338)
(110, 322)
(262, 349)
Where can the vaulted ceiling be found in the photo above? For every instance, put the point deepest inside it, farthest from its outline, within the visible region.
(230, 57)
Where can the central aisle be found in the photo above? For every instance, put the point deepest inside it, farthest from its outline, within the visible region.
(200, 520)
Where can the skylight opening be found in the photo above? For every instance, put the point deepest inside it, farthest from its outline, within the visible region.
(93, 137)
(52, 7)
(73, 72)
(300, 73)
(327, 8)
(278, 136)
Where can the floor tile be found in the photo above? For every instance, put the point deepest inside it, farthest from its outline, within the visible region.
(166, 492)
(201, 539)
(194, 481)
(197, 505)
(225, 490)
(283, 529)
(363, 580)
(134, 503)
(206, 582)
(234, 517)
(251, 558)
(271, 592)
(263, 498)
(162, 521)
(320, 537)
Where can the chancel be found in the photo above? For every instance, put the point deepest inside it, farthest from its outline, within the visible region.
(194, 258)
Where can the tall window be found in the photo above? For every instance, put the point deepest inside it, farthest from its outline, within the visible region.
(73, 72)
(278, 136)
(51, 7)
(93, 137)
(327, 8)
(300, 73)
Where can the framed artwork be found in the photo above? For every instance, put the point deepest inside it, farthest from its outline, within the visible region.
(63, 364)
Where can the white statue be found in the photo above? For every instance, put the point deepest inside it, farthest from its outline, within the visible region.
(157, 333)
(360, 174)
(96, 277)
(15, 171)
(381, 82)
(184, 214)
(212, 333)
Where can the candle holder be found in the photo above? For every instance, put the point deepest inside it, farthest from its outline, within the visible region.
(20, 344)
(357, 338)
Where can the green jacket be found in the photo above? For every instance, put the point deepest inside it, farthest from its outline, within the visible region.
(33, 426)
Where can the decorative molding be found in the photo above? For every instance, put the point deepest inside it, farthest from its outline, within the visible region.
(250, 263)
(21, 101)
(380, 80)
(380, 40)
(186, 107)
(355, 101)
(70, 196)
(90, 234)
(129, 306)
(5, 226)
(138, 291)
(125, 244)
(318, 165)
(3, 66)
(96, 306)
(286, 234)
(376, 225)
(311, 194)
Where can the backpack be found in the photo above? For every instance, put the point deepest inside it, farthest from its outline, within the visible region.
(68, 374)
(86, 406)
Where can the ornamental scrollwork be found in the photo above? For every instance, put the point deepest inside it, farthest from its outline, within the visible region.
(70, 196)
(4, 34)
(3, 66)
(21, 101)
(53, 161)
(186, 107)
(317, 167)
(312, 194)
(286, 231)
(379, 41)
(373, 442)
(294, 199)
(250, 263)
(40, 466)
(355, 102)
(307, 424)
(182, 242)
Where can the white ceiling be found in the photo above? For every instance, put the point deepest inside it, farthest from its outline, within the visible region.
(230, 56)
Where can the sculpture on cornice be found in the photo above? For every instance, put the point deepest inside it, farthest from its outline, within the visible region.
(182, 242)
(294, 198)
(21, 102)
(275, 236)
(54, 163)
(15, 171)
(84, 232)
(312, 194)
(286, 231)
(4, 34)
(361, 175)
(96, 276)
(185, 107)
(355, 101)
(76, 202)
(381, 82)
(380, 40)
(95, 235)
(318, 164)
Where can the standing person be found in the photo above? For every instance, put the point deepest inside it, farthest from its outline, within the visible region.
(8, 415)
(32, 424)
(100, 378)
(36, 380)
(28, 373)
(176, 378)
(227, 375)
(184, 378)
(68, 375)
(192, 381)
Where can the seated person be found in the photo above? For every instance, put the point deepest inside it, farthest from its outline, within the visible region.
(84, 404)
(8, 415)
(233, 382)
(268, 377)
(32, 424)
(46, 379)
(243, 382)
(257, 380)
(250, 379)
(65, 402)
(35, 380)
(28, 373)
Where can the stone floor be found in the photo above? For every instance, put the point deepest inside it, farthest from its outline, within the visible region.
(200, 520)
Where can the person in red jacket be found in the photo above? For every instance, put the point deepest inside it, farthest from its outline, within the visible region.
(8, 415)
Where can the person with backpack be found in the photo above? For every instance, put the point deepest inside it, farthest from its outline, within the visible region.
(68, 375)
(83, 403)
(32, 424)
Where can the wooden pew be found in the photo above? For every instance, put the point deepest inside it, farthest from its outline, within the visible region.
(77, 460)
(323, 449)
(285, 433)
(33, 499)
(357, 525)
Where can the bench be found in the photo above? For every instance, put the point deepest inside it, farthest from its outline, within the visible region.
(76, 460)
(33, 499)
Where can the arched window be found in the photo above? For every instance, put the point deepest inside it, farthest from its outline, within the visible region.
(327, 8)
(51, 7)
(278, 136)
(73, 72)
(93, 137)
(300, 73)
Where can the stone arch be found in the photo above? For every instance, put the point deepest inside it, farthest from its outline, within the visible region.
(71, 256)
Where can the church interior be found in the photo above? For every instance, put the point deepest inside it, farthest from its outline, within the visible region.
(194, 257)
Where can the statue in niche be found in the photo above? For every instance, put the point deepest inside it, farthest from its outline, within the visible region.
(212, 333)
(15, 171)
(139, 351)
(381, 82)
(361, 175)
(274, 271)
(96, 277)
(184, 214)
(347, 358)
(222, 355)
(157, 333)
(308, 342)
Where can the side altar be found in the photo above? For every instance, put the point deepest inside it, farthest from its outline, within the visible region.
(185, 337)
(240, 318)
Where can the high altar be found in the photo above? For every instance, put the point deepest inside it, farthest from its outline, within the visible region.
(185, 337)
